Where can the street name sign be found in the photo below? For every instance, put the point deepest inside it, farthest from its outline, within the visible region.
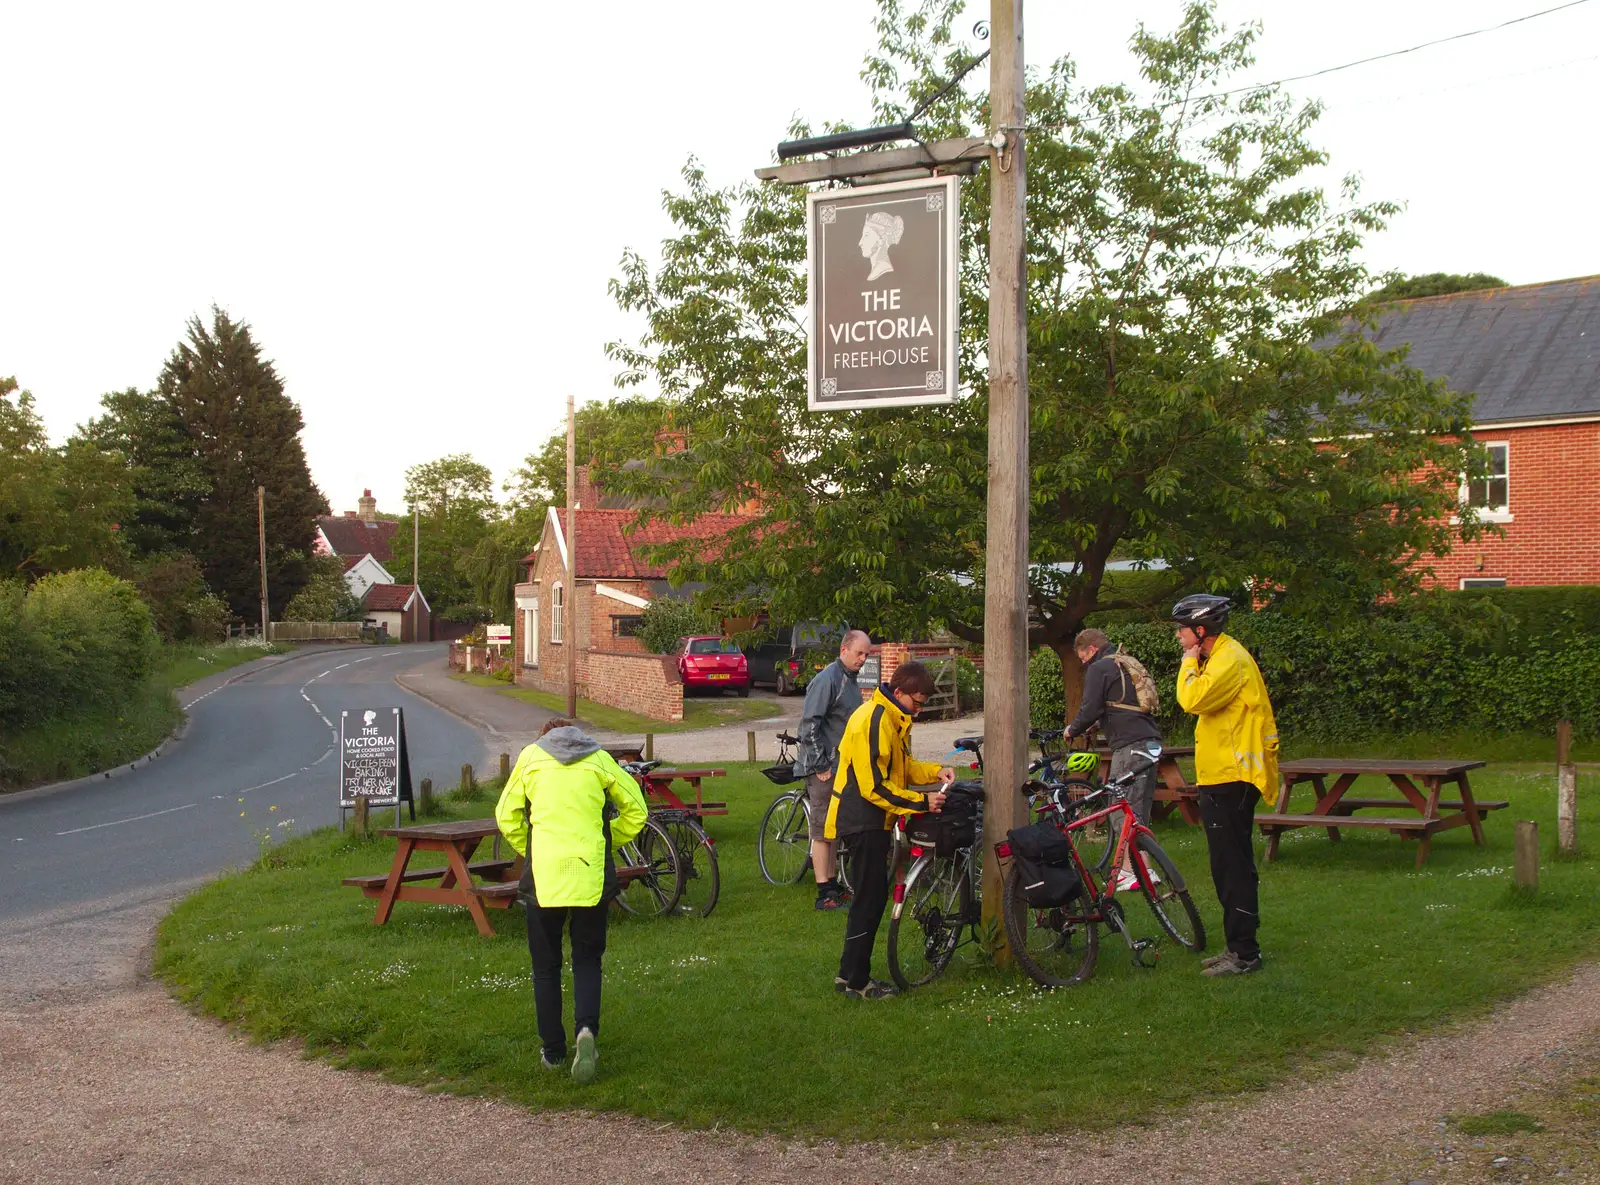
(885, 283)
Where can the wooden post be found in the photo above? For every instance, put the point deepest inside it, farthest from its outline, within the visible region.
(569, 605)
(359, 822)
(1526, 873)
(505, 768)
(466, 780)
(1566, 791)
(261, 532)
(1005, 608)
(649, 746)
(750, 742)
(416, 562)
(425, 796)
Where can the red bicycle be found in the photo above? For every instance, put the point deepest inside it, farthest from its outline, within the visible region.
(1057, 944)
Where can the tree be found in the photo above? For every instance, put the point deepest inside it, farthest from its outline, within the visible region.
(169, 482)
(608, 435)
(326, 596)
(1199, 393)
(60, 508)
(455, 495)
(246, 433)
(1432, 284)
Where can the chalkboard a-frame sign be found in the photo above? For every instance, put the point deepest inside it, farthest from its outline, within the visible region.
(373, 761)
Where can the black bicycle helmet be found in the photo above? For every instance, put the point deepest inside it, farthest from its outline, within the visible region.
(1202, 610)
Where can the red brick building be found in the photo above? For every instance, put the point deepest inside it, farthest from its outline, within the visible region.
(1530, 355)
(614, 581)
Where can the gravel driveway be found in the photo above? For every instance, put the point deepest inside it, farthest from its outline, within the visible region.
(104, 1078)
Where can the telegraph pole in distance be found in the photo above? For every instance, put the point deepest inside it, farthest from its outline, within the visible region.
(1005, 605)
(416, 567)
(261, 533)
(569, 595)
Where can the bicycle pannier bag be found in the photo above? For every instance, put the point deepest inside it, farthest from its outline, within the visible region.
(1144, 687)
(944, 832)
(1043, 860)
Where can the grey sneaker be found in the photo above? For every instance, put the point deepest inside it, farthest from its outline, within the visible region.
(840, 983)
(1215, 959)
(586, 1060)
(1232, 965)
(875, 990)
(546, 1063)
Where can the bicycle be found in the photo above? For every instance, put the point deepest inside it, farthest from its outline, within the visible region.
(1057, 945)
(700, 878)
(940, 895)
(783, 845)
(649, 872)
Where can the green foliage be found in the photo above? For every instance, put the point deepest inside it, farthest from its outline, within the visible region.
(1190, 353)
(244, 433)
(183, 608)
(1433, 284)
(455, 497)
(72, 640)
(666, 619)
(609, 433)
(144, 431)
(326, 596)
(1496, 1123)
(969, 684)
(494, 567)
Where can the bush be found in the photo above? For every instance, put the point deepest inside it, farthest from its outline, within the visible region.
(969, 684)
(666, 619)
(326, 596)
(181, 604)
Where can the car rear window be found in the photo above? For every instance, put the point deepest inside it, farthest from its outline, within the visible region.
(712, 646)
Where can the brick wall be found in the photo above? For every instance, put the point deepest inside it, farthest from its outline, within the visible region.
(646, 684)
(1553, 497)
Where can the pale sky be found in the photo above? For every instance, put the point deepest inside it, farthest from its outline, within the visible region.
(418, 208)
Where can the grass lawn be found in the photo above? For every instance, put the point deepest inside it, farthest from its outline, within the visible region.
(732, 1020)
(106, 736)
(698, 711)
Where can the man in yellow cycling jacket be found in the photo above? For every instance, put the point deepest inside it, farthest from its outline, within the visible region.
(554, 810)
(1235, 761)
(876, 779)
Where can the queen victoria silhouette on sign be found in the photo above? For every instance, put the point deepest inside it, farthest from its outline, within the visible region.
(881, 232)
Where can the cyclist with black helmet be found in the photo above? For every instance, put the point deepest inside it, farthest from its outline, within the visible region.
(1236, 763)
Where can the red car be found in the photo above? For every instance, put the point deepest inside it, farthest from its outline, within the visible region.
(714, 664)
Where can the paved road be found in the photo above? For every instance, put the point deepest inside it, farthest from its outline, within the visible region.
(266, 739)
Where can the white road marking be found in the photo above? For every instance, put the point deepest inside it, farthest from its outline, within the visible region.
(135, 819)
(323, 758)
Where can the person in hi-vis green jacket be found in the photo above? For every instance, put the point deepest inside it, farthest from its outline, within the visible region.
(567, 807)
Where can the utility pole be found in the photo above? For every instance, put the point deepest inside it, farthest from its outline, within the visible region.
(261, 532)
(569, 595)
(1005, 605)
(416, 561)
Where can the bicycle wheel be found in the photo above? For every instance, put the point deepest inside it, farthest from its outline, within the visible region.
(842, 857)
(1169, 900)
(1055, 947)
(783, 846)
(1096, 847)
(698, 857)
(655, 876)
(925, 926)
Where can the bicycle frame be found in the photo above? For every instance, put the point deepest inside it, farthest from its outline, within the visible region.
(1101, 904)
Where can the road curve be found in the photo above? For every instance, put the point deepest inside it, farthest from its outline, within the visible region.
(259, 753)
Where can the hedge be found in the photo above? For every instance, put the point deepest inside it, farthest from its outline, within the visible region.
(1436, 665)
(70, 640)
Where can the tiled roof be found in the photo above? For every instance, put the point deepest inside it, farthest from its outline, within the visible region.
(350, 561)
(387, 598)
(610, 547)
(1526, 353)
(351, 536)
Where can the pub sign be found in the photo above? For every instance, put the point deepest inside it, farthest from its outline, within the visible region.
(884, 294)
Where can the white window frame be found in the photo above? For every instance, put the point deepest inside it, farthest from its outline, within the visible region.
(1467, 582)
(558, 614)
(1491, 514)
(530, 635)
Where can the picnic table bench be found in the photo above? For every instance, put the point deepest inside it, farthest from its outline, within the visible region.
(657, 784)
(1420, 783)
(457, 840)
(1173, 791)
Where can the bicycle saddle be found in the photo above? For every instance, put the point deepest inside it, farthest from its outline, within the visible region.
(970, 744)
(640, 767)
(786, 739)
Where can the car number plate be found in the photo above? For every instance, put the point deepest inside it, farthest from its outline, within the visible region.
(719, 676)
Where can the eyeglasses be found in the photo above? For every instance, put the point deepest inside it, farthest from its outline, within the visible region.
(918, 702)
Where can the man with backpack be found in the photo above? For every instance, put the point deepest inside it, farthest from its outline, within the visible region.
(1120, 696)
(831, 698)
(1235, 761)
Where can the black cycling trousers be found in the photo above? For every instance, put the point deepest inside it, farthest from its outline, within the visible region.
(545, 925)
(1227, 811)
(869, 881)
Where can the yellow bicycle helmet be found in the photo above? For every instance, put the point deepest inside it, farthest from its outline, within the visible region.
(1083, 762)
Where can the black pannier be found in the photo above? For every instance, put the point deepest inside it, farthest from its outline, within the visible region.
(1043, 859)
(943, 832)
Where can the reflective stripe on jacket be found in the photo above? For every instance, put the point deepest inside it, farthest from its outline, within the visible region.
(554, 804)
(1235, 735)
(876, 769)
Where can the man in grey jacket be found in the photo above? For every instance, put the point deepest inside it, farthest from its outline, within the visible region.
(831, 696)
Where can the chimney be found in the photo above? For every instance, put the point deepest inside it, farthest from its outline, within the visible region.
(670, 440)
(585, 495)
(369, 507)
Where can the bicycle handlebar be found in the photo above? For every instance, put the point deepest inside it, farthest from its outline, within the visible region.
(785, 738)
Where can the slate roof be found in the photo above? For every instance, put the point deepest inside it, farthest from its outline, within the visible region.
(350, 536)
(611, 548)
(1526, 353)
(388, 598)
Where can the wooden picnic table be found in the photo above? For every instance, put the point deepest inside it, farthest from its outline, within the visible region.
(1420, 784)
(660, 796)
(457, 840)
(1173, 791)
